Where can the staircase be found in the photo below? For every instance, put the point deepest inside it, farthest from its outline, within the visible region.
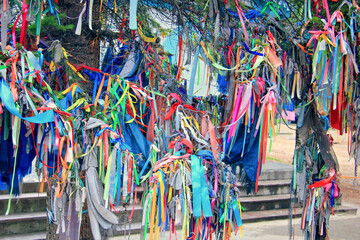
(28, 220)
(272, 200)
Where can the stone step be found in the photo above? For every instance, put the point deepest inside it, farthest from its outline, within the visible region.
(30, 236)
(124, 229)
(23, 223)
(252, 203)
(24, 203)
(341, 209)
(124, 213)
(275, 175)
(268, 215)
(275, 171)
(260, 203)
(28, 187)
(272, 187)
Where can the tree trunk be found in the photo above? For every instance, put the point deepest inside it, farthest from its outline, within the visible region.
(83, 49)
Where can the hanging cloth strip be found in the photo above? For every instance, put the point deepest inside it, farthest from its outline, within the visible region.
(201, 201)
(133, 15)
(8, 101)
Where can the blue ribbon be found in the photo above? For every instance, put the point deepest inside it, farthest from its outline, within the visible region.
(332, 203)
(236, 212)
(8, 101)
(118, 175)
(252, 52)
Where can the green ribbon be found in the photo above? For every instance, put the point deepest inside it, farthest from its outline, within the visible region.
(135, 170)
(147, 215)
(294, 173)
(270, 5)
(16, 135)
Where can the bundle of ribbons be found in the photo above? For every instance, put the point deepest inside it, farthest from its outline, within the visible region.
(125, 136)
(141, 126)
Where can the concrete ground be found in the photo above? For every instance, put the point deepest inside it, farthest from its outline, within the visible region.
(342, 227)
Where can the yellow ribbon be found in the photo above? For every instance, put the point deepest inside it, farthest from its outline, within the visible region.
(145, 38)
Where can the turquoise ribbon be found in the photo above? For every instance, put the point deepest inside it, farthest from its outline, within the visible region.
(8, 101)
(133, 8)
(200, 199)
